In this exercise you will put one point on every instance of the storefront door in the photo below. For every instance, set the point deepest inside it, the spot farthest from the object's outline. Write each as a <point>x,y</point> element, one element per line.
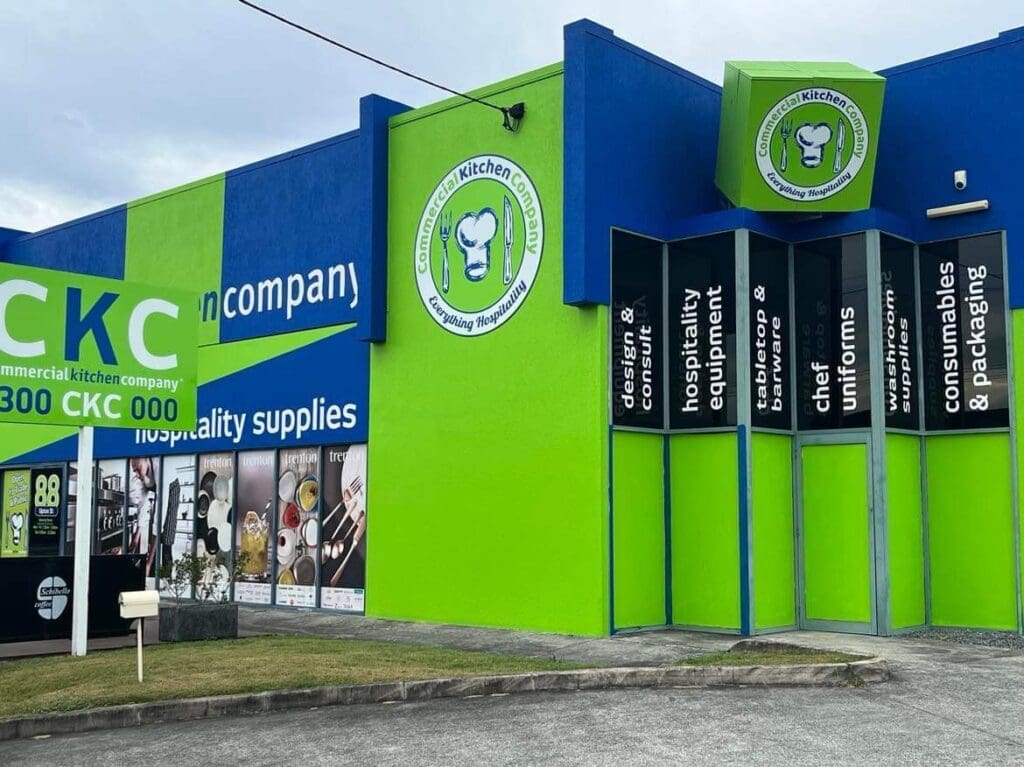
<point>836,540</point>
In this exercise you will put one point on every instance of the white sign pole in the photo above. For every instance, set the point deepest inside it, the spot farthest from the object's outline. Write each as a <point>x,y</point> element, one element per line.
<point>138,638</point>
<point>83,543</point>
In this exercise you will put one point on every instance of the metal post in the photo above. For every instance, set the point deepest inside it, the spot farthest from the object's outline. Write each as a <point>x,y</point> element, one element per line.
<point>138,635</point>
<point>744,436</point>
<point>83,544</point>
<point>879,493</point>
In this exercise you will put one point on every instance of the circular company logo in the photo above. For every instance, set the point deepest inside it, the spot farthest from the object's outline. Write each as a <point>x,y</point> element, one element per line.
<point>479,245</point>
<point>52,597</point>
<point>811,144</point>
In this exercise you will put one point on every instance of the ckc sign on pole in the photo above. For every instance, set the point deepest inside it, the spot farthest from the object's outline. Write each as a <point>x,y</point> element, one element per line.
<point>88,351</point>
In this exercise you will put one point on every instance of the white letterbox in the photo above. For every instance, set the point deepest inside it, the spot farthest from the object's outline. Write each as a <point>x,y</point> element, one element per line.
<point>139,604</point>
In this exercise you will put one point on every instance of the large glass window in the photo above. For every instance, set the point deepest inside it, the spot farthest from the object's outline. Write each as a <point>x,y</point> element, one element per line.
<point>899,334</point>
<point>833,390</point>
<point>702,332</point>
<point>770,392</point>
<point>963,313</point>
<point>637,383</point>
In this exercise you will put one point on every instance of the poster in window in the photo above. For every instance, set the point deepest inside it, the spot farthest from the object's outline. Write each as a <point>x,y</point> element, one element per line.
<point>44,519</point>
<point>298,527</point>
<point>255,529</point>
<point>177,498</point>
<point>963,312</point>
<point>109,513</point>
<point>637,340</point>
<point>143,511</point>
<point>899,334</point>
<point>702,332</point>
<point>72,510</point>
<point>17,490</point>
<point>830,278</point>
<point>214,522</point>
<point>343,573</point>
<point>770,392</point>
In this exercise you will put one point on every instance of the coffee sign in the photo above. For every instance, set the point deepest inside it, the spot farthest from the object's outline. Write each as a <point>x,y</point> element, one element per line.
<point>964,331</point>
<point>78,350</point>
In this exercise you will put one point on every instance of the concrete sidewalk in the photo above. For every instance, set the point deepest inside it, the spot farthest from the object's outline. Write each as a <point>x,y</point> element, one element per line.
<point>639,648</point>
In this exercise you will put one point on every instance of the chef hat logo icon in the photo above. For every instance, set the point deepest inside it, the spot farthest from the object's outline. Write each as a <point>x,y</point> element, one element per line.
<point>473,236</point>
<point>52,597</point>
<point>811,140</point>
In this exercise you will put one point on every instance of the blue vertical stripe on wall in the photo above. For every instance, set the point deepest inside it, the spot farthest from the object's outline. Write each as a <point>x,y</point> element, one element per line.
<point>91,245</point>
<point>640,137</point>
<point>374,113</point>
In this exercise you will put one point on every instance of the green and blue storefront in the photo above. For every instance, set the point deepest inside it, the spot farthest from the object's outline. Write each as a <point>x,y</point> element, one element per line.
<point>733,358</point>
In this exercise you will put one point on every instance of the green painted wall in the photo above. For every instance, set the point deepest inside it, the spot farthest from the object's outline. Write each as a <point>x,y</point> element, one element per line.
<point>836,533</point>
<point>970,531</point>
<point>488,455</point>
<point>705,530</point>
<point>176,238</point>
<point>771,480</point>
<point>638,529</point>
<point>906,540</point>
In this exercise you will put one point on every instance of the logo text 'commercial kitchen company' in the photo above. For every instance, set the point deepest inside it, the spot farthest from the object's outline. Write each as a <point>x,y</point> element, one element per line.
<point>485,203</point>
<point>283,294</point>
<point>811,144</point>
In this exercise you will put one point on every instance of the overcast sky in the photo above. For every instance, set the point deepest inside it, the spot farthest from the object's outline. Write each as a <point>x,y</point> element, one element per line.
<point>104,101</point>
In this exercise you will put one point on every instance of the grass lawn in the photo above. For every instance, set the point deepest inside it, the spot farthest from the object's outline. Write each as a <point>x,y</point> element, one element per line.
<point>195,669</point>
<point>783,656</point>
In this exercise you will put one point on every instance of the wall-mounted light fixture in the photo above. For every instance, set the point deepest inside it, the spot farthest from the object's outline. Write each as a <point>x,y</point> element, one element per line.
<point>955,210</point>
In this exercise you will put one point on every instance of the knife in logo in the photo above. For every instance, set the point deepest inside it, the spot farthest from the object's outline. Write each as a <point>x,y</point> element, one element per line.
<point>840,143</point>
<point>506,225</point>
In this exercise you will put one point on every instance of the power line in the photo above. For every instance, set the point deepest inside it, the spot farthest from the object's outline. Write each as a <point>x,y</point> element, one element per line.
<point>512,114</point>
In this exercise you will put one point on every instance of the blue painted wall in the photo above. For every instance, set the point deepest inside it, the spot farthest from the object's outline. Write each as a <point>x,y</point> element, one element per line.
<point>91,245</point>
<point>959,110</point>
<point>640,143</point>
<point>6,235</point>
<point>288,215</point>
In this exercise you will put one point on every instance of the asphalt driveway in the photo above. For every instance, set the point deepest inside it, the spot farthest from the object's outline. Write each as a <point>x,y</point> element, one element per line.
<point>949,704</point>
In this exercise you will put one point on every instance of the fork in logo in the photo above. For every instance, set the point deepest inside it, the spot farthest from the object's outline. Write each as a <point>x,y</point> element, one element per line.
<point>785,130</point>
<point>444,232</point>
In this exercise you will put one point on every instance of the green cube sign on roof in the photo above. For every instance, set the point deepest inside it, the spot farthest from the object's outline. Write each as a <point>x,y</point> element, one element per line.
<point>798,136</point>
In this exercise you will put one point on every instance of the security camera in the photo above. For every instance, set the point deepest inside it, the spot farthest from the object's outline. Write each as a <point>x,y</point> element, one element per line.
<point>960,180</point>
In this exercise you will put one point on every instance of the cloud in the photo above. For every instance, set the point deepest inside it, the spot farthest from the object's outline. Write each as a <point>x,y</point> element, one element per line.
<point>111,100</point>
